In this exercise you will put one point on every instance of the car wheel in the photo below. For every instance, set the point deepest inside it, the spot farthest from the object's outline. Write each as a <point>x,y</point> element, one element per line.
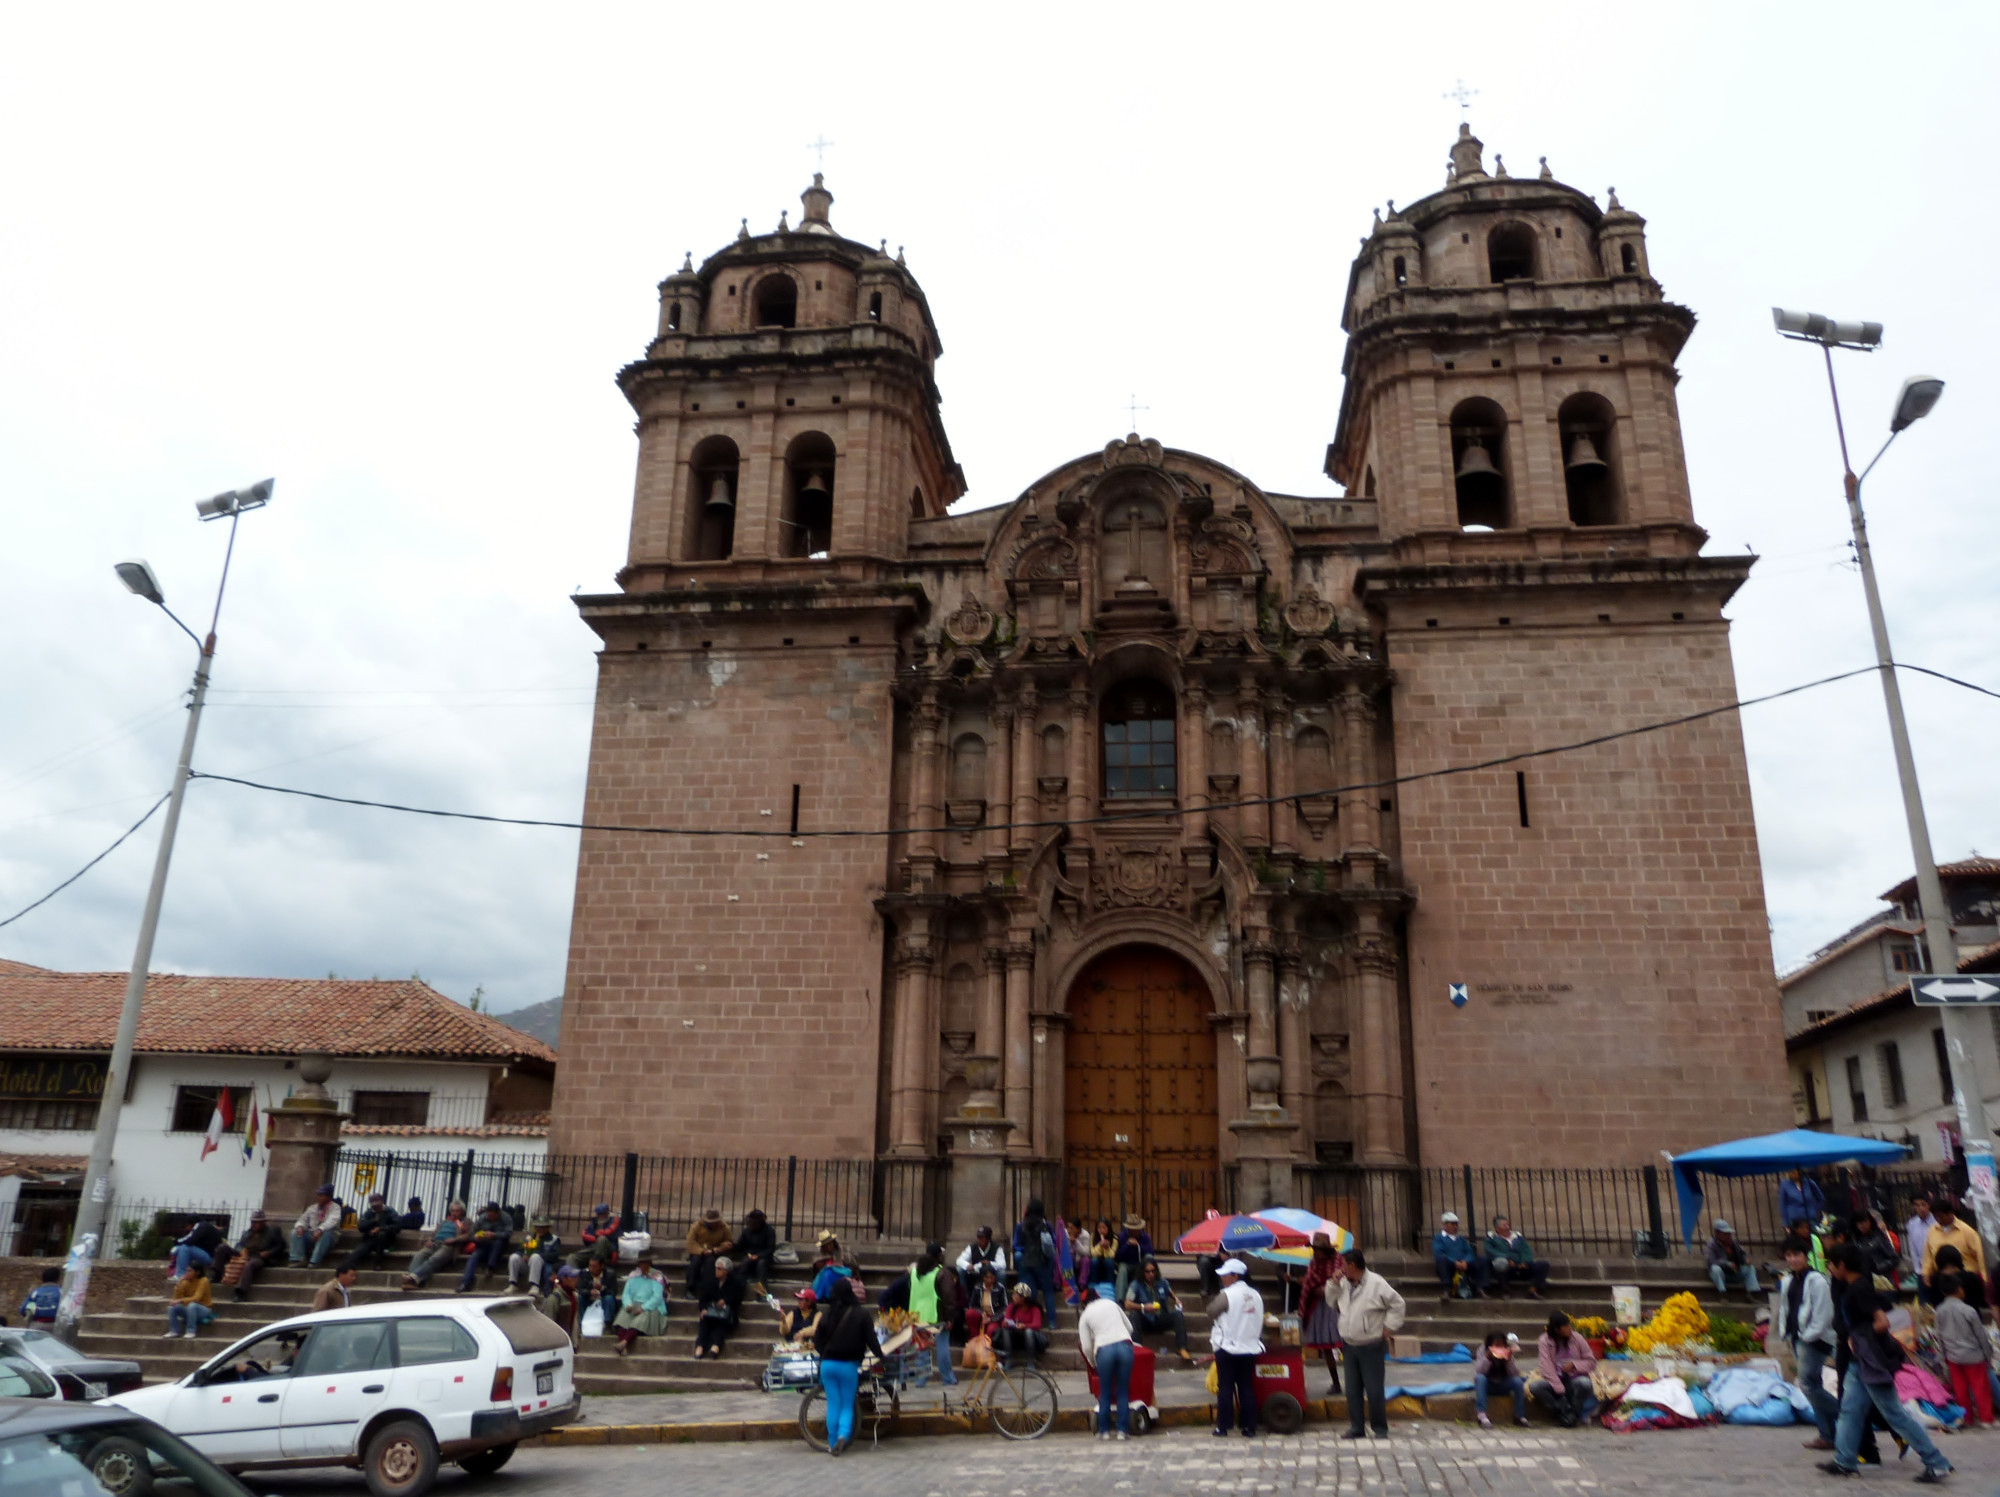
<point>487,1461</point>
<point>122,1467</point>
<point>401,1460</point>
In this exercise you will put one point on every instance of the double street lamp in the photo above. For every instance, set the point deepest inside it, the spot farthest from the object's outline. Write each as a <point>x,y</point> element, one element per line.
<point>1913,403</point>
<point>96,1203</point>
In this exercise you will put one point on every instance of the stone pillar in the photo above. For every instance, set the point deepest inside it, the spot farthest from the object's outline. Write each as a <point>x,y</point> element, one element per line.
<point>979,1137</point>
<point>1379,1067</point>
<point>1257,960</point>
<point>1000,780</point>
<point>990,1030</point>
<point>926,808</point>
<point>1253,822</point>
<point>1082,747</point>
<point>1278,733</point>
<point>1294,1040</point>
<point>1026,753</point>
<point>1019,1056</point>
<point>1194,763</point>
<point>913,961</point>
<point>1357,807</point>
<point>303,1137</point>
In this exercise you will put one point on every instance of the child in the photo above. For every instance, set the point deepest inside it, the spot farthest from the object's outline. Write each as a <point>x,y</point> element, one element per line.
<point>1963,1338</point>
<point>192,1306</point>
<point>42,1301</point>
<point>1493,1372</point>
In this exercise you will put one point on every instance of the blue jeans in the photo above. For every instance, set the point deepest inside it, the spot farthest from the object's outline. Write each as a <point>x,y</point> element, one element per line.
<point>184,1255</point>
<point>841,1381</point>
<point>1719,1276</point>
<point>1812,1358</point>
<point>189,1317</point>
<point>942,1351</point>
<point>1484,1385</point>
<point>1855,1399</point>
<point>1114,1372</point>
<point>315,1249</point>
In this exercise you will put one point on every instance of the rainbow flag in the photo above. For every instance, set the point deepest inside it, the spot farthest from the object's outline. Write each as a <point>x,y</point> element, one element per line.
<point>250,1130</point>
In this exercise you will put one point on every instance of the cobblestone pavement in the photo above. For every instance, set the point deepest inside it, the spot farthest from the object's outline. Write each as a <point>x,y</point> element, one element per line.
<point>1427,1458</point>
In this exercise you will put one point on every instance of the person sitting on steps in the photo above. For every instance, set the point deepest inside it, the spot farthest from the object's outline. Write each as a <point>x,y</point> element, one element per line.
<point>755,1248</point>
<point>448,1239</point>
<point>261,1246</point>
<point>1151,1302</point>
<point>193,1305</point>
<point>1453,1256</point>
<point>491,1234</point>
<point>1020,1331</point>
<point>599,1237</point>
<point>1493,1371</point>
<point>1509,1256</point>
<point>1566,1362</point>
<point>708,1239</point>
<point>799,1322</point>
<point>719,1300</point>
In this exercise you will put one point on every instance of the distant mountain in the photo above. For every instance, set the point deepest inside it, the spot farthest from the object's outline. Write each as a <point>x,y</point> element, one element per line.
<point>542,1020</point>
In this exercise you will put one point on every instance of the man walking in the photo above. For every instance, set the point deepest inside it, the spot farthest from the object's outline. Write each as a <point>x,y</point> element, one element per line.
<point>1916,1232</point>
<point>1236,1333</point>
<point>1871,1380</point>
<point>1370,1312</point>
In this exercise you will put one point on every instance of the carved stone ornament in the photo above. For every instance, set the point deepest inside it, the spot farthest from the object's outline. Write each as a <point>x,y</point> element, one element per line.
<point>1148,877</point>
<point>969,624</point>
<point>1225,546</point>
<point>1045,558</point>
<point>1132,450</point>
<point>1309,613</point>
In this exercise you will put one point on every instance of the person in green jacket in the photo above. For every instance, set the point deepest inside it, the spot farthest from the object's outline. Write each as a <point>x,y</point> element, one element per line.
<point>930,1292</point>
<point>1512,1257</point>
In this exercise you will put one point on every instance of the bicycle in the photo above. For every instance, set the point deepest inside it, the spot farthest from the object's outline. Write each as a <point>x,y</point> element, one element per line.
<point>1020,1403</point>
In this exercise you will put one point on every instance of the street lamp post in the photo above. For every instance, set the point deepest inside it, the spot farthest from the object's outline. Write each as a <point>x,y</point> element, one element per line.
<point>96,1203</point>
<point>1913,403</point>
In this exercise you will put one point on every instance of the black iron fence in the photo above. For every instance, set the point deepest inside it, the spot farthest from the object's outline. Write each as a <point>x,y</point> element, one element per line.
<point>523,1181</point>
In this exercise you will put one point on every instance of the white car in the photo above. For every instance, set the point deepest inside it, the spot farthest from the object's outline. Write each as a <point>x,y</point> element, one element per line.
<point>392,1388</point>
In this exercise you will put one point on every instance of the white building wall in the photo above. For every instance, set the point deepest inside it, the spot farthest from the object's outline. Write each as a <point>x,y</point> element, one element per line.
<point>155,1168</point>
<point>1925,1104</point>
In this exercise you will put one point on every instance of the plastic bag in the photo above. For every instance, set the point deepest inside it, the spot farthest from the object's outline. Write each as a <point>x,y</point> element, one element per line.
<point>979,1352</point>
<point>593,1320</point>
<point>1213,1382</point>
<point>632,1244</point>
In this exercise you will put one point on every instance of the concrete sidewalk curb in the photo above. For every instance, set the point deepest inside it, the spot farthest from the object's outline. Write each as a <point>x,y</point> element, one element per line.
<point>1068,1421</point>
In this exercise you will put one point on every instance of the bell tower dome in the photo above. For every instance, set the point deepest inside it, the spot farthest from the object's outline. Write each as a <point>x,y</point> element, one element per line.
<point>788,410</point>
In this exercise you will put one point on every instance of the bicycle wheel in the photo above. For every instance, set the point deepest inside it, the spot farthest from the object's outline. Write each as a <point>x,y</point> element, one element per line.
<point>1022,1405</point>
<point>812,1418</point>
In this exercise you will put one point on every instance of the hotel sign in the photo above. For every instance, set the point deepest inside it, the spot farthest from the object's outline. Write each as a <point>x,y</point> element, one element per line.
<point>52,1079</point>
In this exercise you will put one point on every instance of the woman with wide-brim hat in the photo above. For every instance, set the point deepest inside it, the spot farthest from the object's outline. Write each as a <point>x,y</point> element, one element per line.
<point>1322,1325</point>
<point>642,1309</point>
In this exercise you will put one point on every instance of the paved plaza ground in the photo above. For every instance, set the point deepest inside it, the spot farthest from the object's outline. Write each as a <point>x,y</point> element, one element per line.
<point>1419,1457</point>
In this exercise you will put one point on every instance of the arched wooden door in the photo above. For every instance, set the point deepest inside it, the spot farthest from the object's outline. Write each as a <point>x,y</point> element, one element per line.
<point>1139,1093</point>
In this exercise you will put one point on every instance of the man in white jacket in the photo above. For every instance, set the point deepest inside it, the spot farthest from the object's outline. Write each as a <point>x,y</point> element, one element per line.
<point>1805,1310</point>
<point>1236,1334</point>
<point>1370,1311</point>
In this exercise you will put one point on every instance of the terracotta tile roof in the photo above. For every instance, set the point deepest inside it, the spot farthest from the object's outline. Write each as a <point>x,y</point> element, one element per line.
<point>1987,959</point>
<point>255,1016</point>
<point>1906,891</point>
<point>42,1165</point>
<point>7,967</point>
<point>418,1130</point>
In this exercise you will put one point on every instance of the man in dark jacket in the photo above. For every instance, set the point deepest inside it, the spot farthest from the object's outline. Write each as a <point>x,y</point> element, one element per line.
<point>1871,1377</point>
<point>754,1248</point>
<point>263,1246</point>
<point>599,1237</point>
<point>379,1228</point>
<point>203,1243</point>
<point>1852,1295</point>
<point>491,1235</point>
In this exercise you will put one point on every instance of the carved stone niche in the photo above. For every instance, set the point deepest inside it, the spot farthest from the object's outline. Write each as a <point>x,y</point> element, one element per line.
<point>963,813</point>
<point>1317,812</point>
<point>1053,786</point>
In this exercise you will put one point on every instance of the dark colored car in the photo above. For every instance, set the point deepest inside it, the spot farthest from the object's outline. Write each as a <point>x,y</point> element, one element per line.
<point>82,1379</point>
<point>48,1446</point>
<point>23,1379</point>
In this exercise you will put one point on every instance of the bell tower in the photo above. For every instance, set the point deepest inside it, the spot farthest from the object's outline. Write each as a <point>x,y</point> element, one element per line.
<point>1509,408</point>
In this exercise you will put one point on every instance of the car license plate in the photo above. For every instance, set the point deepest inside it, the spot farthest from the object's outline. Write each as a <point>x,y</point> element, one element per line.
<point>545,1382</point>
<point>95,1390</point>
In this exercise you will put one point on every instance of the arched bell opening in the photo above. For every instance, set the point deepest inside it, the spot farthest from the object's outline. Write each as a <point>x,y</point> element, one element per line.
<point>711,509</point>
<point>806,520</point>
<point>777,301</point>
<point>1479,465</point>
<point>1589,432</point>
<point>1510,253</point>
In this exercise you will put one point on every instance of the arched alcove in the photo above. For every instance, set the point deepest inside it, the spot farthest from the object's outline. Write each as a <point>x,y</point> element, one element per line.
<point>1591,477</point>
<point>1479,463</point>
<point>776,300</point>
<point>805,522</point>
<point>711,500</point>
<point>1511,253</point>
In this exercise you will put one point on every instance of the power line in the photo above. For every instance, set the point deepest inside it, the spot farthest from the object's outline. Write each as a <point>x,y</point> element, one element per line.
<point>1149,815</point>
<point>87,866</point>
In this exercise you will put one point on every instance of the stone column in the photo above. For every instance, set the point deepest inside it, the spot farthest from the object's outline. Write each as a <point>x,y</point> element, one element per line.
<point>303,1137</point>
<point>1040,1079</point>
<point>913,961</point>
<point>1194,763</point>
<point>1294,1040</point>
<point>1000,777</point>
<point>1379,1066</point>
<point>1026,754</point>
<point>1018,1070</point>
<point>1257,960</point>
<point>979,1136</point>
<point>926,810</point>
<point>1278,733</point>
<point>1253,822</point>
<point>1357,807</point>
<point>1082,748</point>
<point>990,1030</point>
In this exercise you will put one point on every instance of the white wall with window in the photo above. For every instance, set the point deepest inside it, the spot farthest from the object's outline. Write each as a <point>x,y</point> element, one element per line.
<point>1883,1073</point>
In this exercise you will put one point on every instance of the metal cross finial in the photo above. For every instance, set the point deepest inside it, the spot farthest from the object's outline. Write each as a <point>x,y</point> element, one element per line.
<point>1132,409</point>
<point>818,147</point>
<point>1463,95</point>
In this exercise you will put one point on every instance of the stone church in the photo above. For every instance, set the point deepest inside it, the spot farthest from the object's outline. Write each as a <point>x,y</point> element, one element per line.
<point>1166,858</point>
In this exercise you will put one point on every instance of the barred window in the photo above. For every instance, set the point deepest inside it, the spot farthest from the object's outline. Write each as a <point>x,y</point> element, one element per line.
<point>392,1109</point>
<point>50,1116</point>
<point>195,1105</point>
<point>1139,742</point>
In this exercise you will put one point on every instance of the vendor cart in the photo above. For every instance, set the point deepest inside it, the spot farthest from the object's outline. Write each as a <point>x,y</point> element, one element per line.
<point>1281,1389</point>
<point>1144,1406</point>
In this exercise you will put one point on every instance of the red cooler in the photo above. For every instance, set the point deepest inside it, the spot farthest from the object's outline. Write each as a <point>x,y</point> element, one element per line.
<point>1140,1396</point>
<point>1281,1389</point>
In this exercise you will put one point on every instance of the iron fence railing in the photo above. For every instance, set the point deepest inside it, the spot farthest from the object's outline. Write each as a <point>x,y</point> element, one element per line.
<point>521,1182</point>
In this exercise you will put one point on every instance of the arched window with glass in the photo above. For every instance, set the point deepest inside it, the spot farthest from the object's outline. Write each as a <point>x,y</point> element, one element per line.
<point>1138,720</point>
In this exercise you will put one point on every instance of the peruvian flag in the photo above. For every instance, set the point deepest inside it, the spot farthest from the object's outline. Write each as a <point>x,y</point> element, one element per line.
<point>220,1123</point>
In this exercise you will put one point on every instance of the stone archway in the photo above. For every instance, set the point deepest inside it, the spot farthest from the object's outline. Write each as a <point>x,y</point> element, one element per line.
<point>1140,1107</point>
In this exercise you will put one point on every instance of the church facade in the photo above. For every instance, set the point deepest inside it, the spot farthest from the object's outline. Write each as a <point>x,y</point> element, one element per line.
<point>1168,858</point>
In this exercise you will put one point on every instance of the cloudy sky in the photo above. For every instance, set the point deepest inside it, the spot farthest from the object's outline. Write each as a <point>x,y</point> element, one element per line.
<point>394,256</point>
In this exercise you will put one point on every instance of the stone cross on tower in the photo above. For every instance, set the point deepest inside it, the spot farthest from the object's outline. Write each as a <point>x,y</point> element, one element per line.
<point>818,146</point>
<point>1463,95</point>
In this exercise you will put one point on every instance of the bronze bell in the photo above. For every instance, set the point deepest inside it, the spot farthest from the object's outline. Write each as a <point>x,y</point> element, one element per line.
<point>1583,458</point>
<point>814,487</point>
<point>1477,463</point>
<point>719,501</point>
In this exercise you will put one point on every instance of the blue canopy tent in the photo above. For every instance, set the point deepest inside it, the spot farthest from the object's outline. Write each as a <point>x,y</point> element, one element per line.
<point>1771,1154</point>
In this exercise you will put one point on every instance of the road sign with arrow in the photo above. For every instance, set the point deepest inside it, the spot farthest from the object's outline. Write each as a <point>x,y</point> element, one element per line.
<point>1943,992</point>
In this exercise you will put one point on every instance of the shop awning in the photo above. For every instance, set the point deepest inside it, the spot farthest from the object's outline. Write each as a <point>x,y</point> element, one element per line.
<point>1769,1154</point>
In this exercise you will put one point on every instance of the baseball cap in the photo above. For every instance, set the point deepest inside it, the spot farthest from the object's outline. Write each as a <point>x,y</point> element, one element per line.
<point>1233,1265</point>
<point>1723,1226</point>
<point>1449,1216</point>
